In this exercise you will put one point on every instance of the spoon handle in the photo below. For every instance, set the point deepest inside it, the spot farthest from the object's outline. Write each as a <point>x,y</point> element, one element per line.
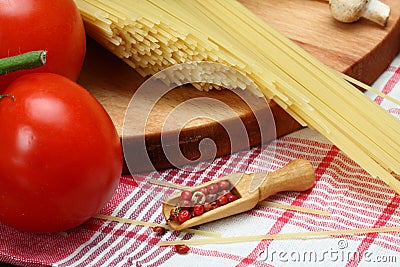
<point>297,175</point>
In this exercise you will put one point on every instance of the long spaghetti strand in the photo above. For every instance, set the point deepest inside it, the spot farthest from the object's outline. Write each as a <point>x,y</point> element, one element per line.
<point>151,35</point>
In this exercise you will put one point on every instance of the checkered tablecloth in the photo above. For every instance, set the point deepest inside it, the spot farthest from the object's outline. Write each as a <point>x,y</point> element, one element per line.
<point>352,197</point>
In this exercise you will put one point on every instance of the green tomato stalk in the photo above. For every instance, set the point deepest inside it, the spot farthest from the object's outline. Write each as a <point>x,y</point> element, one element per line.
<point>27,60</point>
<point>24,61</point>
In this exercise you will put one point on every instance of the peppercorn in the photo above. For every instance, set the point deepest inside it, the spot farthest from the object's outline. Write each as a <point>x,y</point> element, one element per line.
<point>212,188</point>
<point>198,210</point>
<point>184,215</point>
<point>222,200</point>
<point>159,230</point>
<point>182,249</point>
<point>186,195</point>
<point>224,185</point>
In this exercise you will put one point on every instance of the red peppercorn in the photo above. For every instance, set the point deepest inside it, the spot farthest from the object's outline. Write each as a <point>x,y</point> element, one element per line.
<point>182,249</point>
<point>186,195</point>
<point>198,210</point>
<point>214,205</point>
<point>223,192</point>
<point>159,230</point>
<point>173,214</point>
<point>207,207</point>
<point>184,215</point>
<point>224,185</point>
<point>185,204</point>
<point>231,197</point>
<point>198,197</point>
<point>213,188</point>
<point>203,190</point>
<point>211,197</point>
<point>222,200</point>
<point>173,218</point>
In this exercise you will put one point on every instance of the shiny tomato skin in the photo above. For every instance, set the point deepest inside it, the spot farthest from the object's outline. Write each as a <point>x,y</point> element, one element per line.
<point>61,157</point>
<point>52,25</point>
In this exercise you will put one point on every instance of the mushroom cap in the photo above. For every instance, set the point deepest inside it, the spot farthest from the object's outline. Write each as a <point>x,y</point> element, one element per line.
<point>347,10</point>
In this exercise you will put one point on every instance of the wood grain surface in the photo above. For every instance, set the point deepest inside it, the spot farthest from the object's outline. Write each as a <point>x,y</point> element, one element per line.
<point>362,50</point>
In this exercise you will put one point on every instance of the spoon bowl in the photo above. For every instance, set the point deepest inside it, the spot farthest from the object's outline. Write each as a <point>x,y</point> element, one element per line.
<point>297,175</point>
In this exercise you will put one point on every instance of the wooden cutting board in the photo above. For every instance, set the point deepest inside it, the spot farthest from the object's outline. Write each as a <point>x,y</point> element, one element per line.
<point>362,50</point>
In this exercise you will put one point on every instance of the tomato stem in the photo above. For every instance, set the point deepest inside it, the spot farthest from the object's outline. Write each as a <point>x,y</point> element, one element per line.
<point>27,60</point>
<point>8,95</point>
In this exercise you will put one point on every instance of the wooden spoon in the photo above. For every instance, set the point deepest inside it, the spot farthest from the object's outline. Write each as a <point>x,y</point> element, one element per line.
<point>297,175</point>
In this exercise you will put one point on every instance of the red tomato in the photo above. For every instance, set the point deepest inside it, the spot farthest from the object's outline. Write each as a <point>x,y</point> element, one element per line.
<point>52,25</point>
<point>61,157</point>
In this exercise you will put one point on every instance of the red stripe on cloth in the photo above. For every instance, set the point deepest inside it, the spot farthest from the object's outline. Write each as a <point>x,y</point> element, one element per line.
<point>126,186</point>
<point>326,162</point>
<point>129,180</point>
<point>181,177</point>
<point>369,238</point>
<point>287,215</point>
<point>389,85</point>
<point>29,249</point>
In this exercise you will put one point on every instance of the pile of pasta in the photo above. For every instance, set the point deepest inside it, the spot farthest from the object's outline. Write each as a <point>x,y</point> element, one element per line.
<point>152,35</point>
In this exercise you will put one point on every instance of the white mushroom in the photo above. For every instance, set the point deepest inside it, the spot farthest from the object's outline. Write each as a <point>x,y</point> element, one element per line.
<point>352,10</point>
